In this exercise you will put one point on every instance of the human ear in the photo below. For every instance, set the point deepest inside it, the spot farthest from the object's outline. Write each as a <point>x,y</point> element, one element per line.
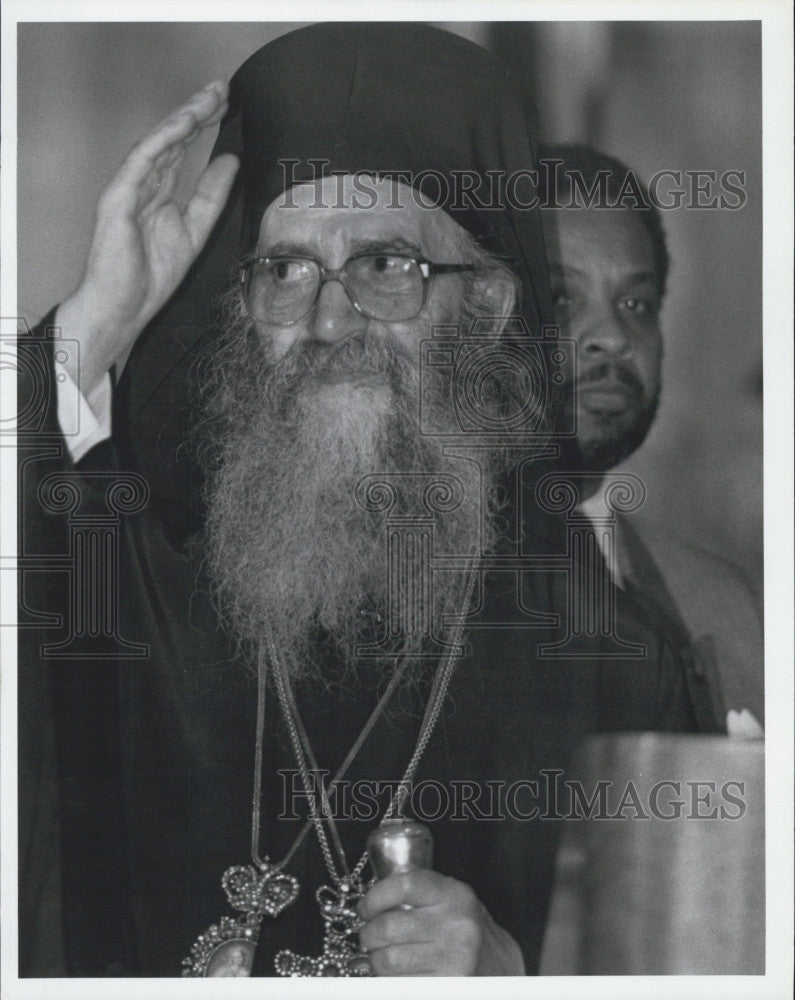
<point>496,293</point>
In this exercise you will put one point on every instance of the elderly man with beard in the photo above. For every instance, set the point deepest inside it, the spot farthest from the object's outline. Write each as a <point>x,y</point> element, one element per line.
<point>609,264</point>
<point>329,399</point>
<point>277,427</point>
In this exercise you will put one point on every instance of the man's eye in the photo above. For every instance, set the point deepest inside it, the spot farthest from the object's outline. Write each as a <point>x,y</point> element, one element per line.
<point>561,300</point>
<point>288,271</point>
<point>639,306</point>
<point>388,272</point>
<point>386,265</point>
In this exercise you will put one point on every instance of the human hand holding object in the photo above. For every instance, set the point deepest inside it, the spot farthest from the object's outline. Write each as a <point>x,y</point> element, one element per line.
<point>144,241</point>
<point>420,923</point>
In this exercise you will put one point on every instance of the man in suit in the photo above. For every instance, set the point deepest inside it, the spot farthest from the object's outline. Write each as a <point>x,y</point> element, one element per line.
<point>609,263</point>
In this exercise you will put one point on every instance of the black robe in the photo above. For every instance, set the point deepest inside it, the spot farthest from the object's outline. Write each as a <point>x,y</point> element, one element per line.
<point>155,752</point>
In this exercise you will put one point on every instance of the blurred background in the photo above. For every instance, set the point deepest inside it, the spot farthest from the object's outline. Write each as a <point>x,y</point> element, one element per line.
<point>658,95</point>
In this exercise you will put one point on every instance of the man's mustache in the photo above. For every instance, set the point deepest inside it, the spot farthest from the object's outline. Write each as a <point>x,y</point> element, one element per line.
<point>361,353</point>
<point>605,375</point>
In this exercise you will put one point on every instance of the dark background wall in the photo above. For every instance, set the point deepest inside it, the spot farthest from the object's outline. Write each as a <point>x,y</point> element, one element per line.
<point>679,96</point>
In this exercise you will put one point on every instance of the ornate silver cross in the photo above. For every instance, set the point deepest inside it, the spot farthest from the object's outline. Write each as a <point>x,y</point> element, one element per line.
<point>342,954</point>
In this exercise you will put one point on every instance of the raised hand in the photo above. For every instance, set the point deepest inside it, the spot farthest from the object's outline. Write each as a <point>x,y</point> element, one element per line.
<point>421,923</point>
<point>144,242</point>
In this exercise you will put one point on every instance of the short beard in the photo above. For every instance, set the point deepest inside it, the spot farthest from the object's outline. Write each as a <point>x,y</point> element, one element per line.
<point>295,559</point>
<point>614,439</point>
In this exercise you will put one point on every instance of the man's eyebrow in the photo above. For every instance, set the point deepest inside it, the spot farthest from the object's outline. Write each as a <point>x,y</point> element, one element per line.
<point>641,276</point>
<point>564,270</point>
<point>285,249</point>
<point>384,244</point>
<point>560,270</point>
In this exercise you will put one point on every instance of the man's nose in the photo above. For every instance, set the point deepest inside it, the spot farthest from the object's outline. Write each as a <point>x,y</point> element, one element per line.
<point>335,317</point>
<point>604,333</point>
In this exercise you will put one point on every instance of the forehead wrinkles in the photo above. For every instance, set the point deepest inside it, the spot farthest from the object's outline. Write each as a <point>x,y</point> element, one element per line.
<point>330,216</point>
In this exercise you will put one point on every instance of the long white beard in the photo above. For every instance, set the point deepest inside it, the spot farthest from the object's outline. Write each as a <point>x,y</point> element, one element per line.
<point>293,554</point>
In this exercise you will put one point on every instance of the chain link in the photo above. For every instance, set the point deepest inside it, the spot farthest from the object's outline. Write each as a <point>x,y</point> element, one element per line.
<point>305,758</point>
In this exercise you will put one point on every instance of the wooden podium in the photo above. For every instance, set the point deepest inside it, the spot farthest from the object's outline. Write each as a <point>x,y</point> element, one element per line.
<point>661,865</point>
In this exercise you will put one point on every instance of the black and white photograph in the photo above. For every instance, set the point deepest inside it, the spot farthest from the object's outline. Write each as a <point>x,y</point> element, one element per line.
<point>398,577</point>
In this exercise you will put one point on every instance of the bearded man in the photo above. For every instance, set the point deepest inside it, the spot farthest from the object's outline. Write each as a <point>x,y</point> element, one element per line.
<point>609,265</point>
<point>311,471</point>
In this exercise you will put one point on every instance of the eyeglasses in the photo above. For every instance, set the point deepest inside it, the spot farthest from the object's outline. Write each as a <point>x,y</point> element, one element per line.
<point>382,286</point>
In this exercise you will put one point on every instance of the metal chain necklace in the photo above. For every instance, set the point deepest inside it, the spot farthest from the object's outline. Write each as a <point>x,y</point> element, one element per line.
<point>261,888</point>
<point>227,948</point>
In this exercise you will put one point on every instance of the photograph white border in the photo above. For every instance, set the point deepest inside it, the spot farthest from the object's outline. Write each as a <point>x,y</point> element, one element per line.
<point>776,18</point>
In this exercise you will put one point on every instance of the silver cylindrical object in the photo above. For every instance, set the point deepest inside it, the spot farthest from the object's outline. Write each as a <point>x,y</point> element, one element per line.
<point>399,845</point>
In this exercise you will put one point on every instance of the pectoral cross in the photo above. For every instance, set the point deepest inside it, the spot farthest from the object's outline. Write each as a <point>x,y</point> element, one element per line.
<point>342,954</point>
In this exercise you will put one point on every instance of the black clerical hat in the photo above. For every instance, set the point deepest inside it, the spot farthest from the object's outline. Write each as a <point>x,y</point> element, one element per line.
<point>403,99</point>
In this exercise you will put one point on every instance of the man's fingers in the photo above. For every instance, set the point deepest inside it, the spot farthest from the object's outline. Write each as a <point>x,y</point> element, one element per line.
<point>421,887</point>
<point>403,960</point>
<point>215,116</point>
<point>204,108</point>
<point>394,927</point>
<point>169,157</point>
<point>158,190</point>
<point>210,196</point>
<point>201,111</point>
